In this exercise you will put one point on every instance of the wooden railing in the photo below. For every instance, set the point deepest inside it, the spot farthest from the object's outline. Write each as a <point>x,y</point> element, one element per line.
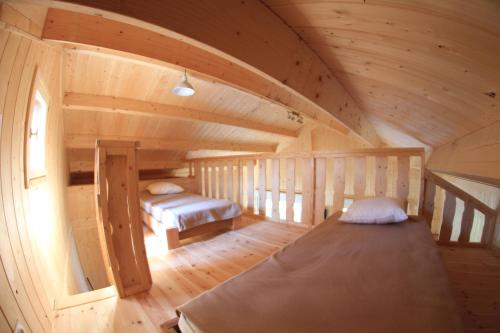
<point>310,186</point>
<point>460,232</point>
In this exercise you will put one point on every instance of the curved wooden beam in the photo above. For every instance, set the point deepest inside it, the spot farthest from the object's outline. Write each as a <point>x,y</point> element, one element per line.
<point>241,43</point>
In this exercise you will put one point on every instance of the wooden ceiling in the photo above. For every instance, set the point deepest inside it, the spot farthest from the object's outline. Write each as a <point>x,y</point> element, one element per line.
<point>95,73</point>
<point>430,69</point>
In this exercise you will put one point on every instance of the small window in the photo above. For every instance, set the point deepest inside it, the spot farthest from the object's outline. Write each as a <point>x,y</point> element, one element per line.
<point>35,143</point>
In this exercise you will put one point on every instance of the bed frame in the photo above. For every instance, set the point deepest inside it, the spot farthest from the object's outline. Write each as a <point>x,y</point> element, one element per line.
<point>173,236</point>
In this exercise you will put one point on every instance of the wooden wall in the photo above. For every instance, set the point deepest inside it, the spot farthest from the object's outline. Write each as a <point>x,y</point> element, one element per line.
<point>34,235</point>
<point>82,216</point>
<point>475,156</point>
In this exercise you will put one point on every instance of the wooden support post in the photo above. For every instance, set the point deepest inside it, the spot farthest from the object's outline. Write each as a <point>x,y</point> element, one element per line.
<point>119,218</point>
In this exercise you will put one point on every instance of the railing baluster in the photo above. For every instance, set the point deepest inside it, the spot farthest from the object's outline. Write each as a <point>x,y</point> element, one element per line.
<point>307,191</point>
<point>262,187</point>
<point>380,175</point>
<point>403,179</point>
<point>276,188</point>
<point>338,183</point>
<point>430,194</point>
<point>450,203</point>
<point>250,185</point>
<point>319,192</point>
<point>229,182</point>
<point>290,188</point>
<point>466,223</point>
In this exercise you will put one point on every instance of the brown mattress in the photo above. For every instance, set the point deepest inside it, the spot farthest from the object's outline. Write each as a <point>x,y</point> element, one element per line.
<point>336,278</point>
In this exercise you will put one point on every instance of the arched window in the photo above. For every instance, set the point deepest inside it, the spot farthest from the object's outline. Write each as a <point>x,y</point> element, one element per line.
<point>35,134</point>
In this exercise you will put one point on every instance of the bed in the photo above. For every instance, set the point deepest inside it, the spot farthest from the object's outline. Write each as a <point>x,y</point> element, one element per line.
<point>182,215</point>
<point>338,277</point>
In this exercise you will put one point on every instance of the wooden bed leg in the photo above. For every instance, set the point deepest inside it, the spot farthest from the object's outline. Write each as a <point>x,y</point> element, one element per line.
<point>236,223</point>
<point>172,238</point>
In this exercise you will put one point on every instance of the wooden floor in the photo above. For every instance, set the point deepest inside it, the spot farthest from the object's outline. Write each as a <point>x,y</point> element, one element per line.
<point>475,278</point>
<point>204,262</point>
<point>179,275</point>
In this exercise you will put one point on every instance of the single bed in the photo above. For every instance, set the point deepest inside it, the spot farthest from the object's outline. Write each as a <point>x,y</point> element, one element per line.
<point>338,277</point>
<point>183,215</point>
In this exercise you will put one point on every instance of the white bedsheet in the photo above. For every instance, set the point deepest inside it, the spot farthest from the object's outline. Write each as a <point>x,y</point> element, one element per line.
<point>186,210</point>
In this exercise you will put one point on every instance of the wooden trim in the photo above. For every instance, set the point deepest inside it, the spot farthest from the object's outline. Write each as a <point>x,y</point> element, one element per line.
<point>84,298</point>
<point>88,141</point>
<point>75,101</point>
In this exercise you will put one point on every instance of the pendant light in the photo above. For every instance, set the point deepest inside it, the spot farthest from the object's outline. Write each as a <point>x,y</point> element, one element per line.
<point>184,88</point>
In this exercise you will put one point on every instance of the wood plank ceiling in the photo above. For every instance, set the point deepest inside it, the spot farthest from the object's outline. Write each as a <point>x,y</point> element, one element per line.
<point>97,73</point>
<point>430,69</point>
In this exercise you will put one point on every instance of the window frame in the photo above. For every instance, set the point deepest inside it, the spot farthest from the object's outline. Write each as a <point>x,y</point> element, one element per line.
<point>37,85</point>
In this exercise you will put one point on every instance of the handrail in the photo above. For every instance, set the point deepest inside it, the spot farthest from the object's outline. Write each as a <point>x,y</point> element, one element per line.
<point>471,204</point>
<point>319,153</point>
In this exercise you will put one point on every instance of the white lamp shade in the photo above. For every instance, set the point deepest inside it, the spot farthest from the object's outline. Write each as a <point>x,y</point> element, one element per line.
<point>184,88</point>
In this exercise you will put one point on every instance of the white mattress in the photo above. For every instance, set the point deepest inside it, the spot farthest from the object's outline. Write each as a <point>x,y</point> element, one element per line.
<point>186,210</point>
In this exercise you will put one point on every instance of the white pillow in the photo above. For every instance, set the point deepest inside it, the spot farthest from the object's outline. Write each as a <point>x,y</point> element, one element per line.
<point>163,188</point>
<point>374,210</point>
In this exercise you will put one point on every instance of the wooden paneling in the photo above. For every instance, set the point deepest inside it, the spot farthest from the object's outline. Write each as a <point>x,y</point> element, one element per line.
<point>82,215</point>
<point>284,81</point>
<point>475,156</point>
<point>412,66</point>
<point>82,160</point>
<point>35,234</point>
